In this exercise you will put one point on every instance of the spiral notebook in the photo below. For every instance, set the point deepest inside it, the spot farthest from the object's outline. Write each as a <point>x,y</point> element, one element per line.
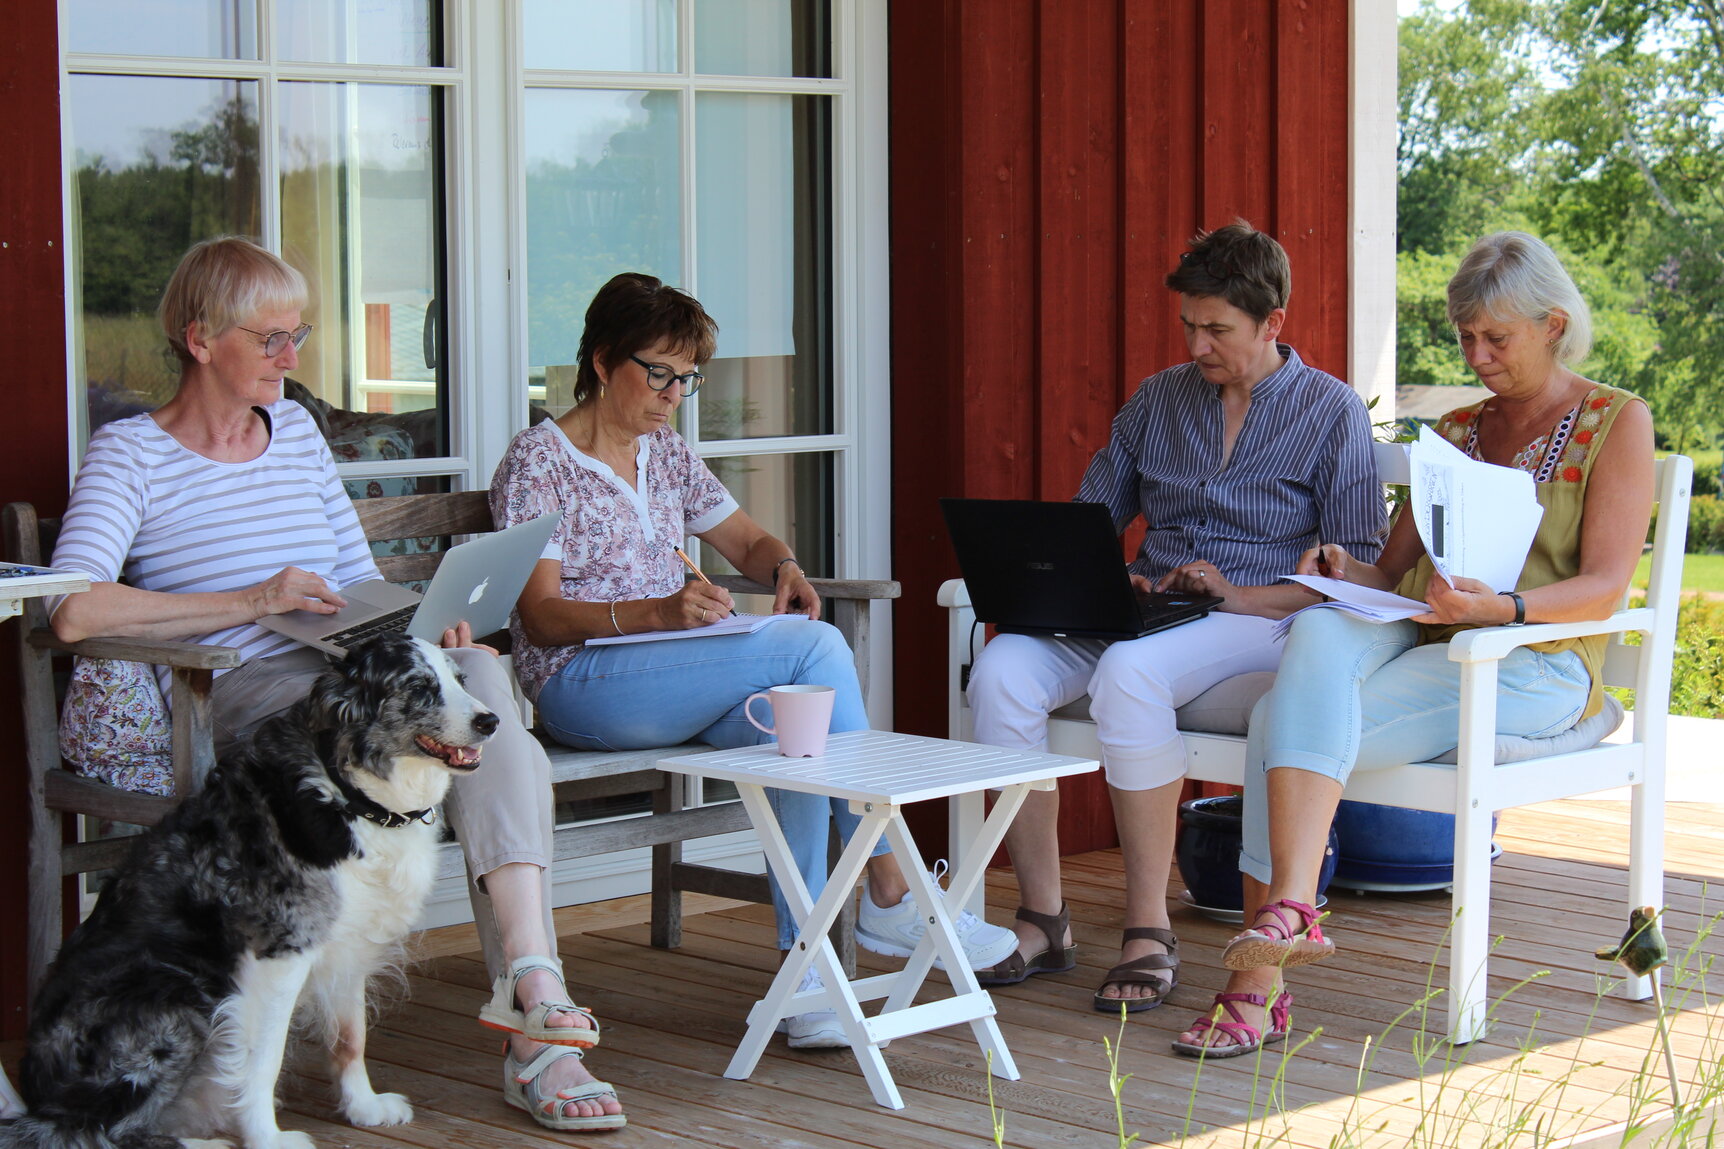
<point>735,624</point>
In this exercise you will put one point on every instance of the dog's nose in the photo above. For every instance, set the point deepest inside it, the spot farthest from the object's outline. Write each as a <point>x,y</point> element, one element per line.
<point>485,723</point>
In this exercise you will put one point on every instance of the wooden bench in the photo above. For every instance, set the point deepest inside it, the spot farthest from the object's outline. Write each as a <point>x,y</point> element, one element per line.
<point>56,856</point>
<point>1472,784</point>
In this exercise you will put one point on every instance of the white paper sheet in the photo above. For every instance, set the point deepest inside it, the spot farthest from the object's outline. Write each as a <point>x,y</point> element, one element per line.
<point>1364,601</point>
<point>1477,520</point>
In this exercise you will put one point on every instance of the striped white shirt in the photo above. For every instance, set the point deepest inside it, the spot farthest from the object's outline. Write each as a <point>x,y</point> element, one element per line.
<point>167,519</point>
<point>1301,473</point>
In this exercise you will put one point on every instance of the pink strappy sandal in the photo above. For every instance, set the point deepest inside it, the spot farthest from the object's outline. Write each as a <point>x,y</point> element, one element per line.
<point>1284,941</point>
<point>1242,1036</point>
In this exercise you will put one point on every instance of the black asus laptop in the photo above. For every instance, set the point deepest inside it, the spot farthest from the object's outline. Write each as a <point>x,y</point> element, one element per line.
<point>1055,569</point>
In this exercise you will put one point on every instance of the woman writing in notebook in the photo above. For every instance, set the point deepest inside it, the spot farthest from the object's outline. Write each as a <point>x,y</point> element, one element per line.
<point>1357,695</point>
<point>630,490</point>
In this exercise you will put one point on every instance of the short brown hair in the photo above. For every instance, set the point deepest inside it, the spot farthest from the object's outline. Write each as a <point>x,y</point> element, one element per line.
<point>1237,263</point>
<point>635,311</point>
<point>222,281</point>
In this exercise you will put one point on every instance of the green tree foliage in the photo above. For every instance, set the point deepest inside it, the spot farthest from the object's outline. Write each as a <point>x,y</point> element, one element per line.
<point>1599,125</point>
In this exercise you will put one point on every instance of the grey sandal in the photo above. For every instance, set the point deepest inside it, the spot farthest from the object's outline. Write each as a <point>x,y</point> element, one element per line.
<point>1056,958</point>
<point>1142,971</point>
<point>521,1089</point>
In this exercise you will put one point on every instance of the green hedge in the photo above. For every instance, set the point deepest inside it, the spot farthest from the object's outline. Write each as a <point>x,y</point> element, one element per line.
<point>1697,674</point>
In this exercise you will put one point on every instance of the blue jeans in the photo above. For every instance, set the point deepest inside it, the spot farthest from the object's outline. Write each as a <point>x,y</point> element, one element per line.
<point>636,695</point>
<point>1356,695</point>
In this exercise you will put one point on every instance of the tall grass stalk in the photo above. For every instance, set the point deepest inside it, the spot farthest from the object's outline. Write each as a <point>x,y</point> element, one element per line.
<point>1459,1111</point>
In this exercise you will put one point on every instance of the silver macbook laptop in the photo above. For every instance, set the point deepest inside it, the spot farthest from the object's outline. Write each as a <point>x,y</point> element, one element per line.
<point>477,581</point>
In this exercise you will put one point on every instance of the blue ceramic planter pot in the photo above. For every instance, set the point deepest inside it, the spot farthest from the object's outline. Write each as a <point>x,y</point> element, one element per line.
<point>1208,852</point>
<point>1387,847</point>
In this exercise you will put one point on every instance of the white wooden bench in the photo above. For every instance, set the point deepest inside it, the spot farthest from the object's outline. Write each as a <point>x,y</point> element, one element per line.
<point>1475,784</point>
<point>56,854</point>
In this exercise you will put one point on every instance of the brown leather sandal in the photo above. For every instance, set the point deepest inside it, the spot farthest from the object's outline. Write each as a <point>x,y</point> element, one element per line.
<point>1057,958</point>
<point>1142,971</point>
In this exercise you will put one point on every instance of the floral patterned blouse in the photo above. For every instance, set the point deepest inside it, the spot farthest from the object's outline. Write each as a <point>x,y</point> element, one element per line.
<point>614,542</point>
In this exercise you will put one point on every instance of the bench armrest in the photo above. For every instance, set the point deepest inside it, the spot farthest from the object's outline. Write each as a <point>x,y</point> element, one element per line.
<point>1492,643</point>
<point>829,588</point>
<point>156,651</point>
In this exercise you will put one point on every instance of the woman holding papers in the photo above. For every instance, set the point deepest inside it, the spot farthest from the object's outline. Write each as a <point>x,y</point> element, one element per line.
<point>1356,695</point>
<point>1238,461</point>
<point>223,506</point>
<point>629,490</point>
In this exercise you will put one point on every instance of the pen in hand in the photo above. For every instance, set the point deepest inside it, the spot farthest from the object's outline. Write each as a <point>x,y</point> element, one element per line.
<point>1323,563</point>
<point>698,573</point>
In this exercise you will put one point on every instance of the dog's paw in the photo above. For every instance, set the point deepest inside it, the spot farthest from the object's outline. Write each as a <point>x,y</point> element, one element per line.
<point>380,1109</point>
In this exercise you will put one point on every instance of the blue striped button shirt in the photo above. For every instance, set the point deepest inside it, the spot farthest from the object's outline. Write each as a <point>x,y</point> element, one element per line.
<point>1301,472</point>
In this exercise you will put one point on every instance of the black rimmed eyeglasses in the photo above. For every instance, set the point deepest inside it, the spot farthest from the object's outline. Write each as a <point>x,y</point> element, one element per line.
<point>275,342</point>
<point>658,377</point>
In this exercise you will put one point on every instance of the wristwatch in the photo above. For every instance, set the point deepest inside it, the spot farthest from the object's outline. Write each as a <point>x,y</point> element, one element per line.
<point>1519,608</point>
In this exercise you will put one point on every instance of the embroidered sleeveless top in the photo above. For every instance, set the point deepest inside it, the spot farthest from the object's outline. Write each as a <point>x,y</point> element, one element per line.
<point>1560,463</point>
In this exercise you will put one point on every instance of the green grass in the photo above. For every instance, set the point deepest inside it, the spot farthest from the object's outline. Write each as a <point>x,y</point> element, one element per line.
<point>1699,572</point>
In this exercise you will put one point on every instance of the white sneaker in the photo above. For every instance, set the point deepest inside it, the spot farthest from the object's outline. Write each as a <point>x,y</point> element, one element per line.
<point>896,930</point>
<point>817,1029</point>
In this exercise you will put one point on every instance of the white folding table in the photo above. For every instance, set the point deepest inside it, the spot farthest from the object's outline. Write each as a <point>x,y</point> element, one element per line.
<point>18,583</point>
<point>879,773</point>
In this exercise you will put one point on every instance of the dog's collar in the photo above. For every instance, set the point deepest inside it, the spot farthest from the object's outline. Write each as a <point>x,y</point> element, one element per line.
<point>373,811</point>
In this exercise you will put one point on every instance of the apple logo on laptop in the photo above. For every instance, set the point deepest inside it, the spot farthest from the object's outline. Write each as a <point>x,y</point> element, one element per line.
<point>478,591</point>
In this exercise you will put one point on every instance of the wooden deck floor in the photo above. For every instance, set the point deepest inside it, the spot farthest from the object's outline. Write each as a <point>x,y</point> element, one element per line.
<point>1560,1058</point>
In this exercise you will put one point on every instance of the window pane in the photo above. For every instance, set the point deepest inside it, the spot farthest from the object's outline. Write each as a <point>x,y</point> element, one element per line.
<point>362,216</point>
<point>408,32</point>
<point>763,37</point>
<point>789,495</point>
<point>158,164</point>
<point>603,196</point>
<point>601,35</point>
<point>764,211</point>
<point>216,29</point>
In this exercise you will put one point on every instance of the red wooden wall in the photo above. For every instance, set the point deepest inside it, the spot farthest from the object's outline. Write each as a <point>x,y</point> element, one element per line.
<point>33,456</point>
<point>1049,160</point>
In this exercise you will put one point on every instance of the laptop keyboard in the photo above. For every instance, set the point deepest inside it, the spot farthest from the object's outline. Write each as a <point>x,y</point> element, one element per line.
<point>395,622</point>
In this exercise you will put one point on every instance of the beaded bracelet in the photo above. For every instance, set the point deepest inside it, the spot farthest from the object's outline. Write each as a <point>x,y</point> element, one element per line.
<point>614,625</point>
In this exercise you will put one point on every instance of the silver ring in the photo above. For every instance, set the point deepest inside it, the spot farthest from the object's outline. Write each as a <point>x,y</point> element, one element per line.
<point>1199,574</point>
<point>704,614</point>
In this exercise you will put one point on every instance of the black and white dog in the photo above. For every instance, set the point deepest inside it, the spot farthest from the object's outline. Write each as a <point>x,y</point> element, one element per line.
<point>290,878</point>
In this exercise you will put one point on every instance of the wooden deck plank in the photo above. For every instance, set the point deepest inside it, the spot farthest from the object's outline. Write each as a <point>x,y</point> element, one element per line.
<point>1559,1055</point>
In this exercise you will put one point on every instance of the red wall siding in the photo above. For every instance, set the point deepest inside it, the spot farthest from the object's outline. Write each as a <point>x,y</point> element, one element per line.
<point>1049,160</point>
<point>33,463</point>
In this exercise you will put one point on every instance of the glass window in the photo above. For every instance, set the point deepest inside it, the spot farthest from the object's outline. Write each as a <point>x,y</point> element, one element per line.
<point>158,163</point>
<point>763,195</point>
<point>604,195</point>
<point>762,38</point>
<point>601,35</point>
<point>362,217</point>
<point>364,32</point>
<point>214,29</point>
<point>789,495</point>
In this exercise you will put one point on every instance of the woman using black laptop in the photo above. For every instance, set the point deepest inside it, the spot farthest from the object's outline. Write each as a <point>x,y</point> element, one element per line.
<point>1238,461</point>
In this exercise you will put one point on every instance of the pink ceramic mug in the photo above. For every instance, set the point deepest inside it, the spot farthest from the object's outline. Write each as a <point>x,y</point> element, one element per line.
<point>801,715</point>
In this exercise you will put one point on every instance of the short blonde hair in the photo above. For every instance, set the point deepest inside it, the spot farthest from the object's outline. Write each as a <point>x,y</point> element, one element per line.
<point>221,282</point>
<point>1510,276</point>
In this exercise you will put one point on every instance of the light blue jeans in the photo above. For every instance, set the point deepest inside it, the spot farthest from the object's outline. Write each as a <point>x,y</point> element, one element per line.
<point>1356,695</point>
<point>636,695</point>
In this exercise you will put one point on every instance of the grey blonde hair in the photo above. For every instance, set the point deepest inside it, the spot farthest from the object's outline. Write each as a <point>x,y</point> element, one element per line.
<point>220,283</point>
<point>1512,276</point>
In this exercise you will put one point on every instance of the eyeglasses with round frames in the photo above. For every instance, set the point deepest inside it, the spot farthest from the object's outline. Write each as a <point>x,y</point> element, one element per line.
<point>658,377</point>
<point>275,342</point>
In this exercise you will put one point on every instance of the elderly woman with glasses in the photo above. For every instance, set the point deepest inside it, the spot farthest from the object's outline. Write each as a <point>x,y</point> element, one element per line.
<point>1237,461</point>
<point>223,506</point>
<point>629,490</point>
<point>1357,695</point>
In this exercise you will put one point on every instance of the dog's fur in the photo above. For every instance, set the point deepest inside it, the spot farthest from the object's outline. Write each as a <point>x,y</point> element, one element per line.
<point>167,1012</point>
